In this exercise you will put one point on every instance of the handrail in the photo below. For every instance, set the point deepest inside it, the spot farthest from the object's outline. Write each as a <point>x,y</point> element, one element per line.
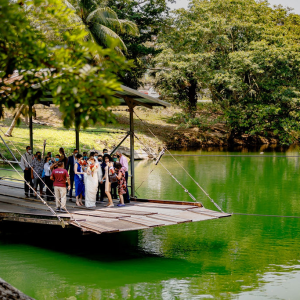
<point>11,161</point>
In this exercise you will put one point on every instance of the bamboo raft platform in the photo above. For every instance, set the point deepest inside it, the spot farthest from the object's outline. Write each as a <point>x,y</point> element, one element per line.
<point>139,214</point>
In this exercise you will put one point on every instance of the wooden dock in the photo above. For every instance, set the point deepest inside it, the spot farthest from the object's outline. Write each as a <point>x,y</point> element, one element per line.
<point>139,214</point>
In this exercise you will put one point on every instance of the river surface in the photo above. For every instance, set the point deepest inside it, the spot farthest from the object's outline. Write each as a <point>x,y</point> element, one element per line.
<point>241,257</point>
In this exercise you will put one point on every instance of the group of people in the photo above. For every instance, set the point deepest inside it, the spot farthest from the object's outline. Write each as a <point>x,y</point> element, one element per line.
<point>95,176</point>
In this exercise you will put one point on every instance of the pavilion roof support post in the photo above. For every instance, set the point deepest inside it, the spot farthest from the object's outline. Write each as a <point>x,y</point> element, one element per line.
<point>77,138</point>
<point>132,152</point>
<point>30,127</point>
<point>116,148</point>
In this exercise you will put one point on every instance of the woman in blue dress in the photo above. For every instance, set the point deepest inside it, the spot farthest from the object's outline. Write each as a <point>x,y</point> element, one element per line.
<point>79,180</point>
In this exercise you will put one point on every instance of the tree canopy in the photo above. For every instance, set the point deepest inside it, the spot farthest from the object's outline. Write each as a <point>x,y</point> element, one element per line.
<point>151,16</point>
<point>102,23</point>
<point>40,40</point>
<point>246,54</point>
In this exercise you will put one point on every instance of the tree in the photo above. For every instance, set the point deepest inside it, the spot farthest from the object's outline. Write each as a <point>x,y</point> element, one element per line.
<point>102,23</point>
<point>151,17</point>
<point>14,121</point>
<point>246,53</point>
<point>83,92</point>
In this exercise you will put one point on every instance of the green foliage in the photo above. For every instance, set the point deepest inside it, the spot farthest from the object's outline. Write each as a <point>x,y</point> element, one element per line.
<point>151,17</point>
<point>102,23</point>
<point>246,54</point>
<point>207,115</point>
<point>48,49</point>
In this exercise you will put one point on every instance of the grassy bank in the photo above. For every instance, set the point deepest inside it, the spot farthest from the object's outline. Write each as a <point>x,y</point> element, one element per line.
<point>170,126</point>
<point>109,136</point>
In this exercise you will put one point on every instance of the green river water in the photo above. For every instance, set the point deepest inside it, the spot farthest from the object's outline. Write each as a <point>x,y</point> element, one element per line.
<point>241,257</point>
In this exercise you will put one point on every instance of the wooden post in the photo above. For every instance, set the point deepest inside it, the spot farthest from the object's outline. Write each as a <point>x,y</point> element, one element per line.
<point>30,127</point>
<point>116,148</point>
<point>77,139</point>
<point>132,152</point>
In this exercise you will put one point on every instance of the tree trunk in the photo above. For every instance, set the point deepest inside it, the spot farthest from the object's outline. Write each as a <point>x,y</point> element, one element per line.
<point>192,94</point>
<point>13,123</point>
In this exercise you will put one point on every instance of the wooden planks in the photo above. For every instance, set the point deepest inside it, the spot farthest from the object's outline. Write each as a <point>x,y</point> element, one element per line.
<point>208,212</point>
<point>99,228</point>
<point>176,220</point>
<point>198,204</point>
<point>131,211</point>
<point>146,221</point>
<point>162,205</point>
<point>98,213</point>
<point>135,216</point>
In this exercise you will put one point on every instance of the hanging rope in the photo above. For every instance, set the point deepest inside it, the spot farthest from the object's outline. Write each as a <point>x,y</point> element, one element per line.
<point>205,193</point>
<point>71,215</point>
<point>43,201</point>
<point>155,164</point>
<point>185,189</point>
<point>257,215</point>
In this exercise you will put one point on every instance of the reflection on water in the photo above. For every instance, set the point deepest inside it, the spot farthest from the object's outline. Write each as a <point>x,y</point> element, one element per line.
<point>241,257</point>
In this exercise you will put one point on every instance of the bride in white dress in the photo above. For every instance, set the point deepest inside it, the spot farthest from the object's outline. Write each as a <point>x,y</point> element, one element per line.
<point>91,183</point>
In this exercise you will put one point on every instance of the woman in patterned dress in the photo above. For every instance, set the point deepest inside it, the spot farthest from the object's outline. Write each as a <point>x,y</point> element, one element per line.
<point>121,183</point>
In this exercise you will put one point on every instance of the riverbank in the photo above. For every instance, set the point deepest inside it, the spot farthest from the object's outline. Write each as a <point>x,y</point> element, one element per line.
<point>7,291</point>
<point>171,127</point>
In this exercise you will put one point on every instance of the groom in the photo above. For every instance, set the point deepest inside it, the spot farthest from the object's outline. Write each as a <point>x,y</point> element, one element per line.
<point>70,165</point>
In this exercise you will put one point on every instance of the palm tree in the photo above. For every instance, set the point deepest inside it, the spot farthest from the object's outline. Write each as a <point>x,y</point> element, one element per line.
<point>102,23</point>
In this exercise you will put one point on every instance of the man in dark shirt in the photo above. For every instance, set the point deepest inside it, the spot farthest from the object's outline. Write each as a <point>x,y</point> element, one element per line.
<point>70,169</point>
<point>101,186</point>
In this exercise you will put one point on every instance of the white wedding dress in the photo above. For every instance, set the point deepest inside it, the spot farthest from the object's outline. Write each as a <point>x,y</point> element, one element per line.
<point>91,188</point>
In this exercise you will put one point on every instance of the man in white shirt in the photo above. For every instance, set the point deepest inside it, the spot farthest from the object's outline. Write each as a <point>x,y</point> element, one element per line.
<point>123,161</point>
<point>26,163</point>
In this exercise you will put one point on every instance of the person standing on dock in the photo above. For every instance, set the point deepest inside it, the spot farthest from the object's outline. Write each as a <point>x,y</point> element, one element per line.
<point>121,183</point>
<point>48,181</point>
<point>108,170</point>
<point>60,176</point>
<point>70,168</point>
<point>91,186</point>
<point>85,157</point>
<point>101,186</point>
<point>98,161</point>
<point>26,162</point>
<point>36,173</point>
<point>79,180</point>
<point>49,154</point>
<point>123,161</point>
<point>63,157</point>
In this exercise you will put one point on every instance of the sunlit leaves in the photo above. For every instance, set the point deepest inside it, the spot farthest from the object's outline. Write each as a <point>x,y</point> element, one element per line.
<point>246,54</point>
<point>52,58</point>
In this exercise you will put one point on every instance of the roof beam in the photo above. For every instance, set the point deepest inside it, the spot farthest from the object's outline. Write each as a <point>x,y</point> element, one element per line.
<point>132,102</point>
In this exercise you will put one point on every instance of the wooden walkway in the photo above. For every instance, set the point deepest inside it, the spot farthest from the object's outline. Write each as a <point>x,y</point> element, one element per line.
<point>140,214</point>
